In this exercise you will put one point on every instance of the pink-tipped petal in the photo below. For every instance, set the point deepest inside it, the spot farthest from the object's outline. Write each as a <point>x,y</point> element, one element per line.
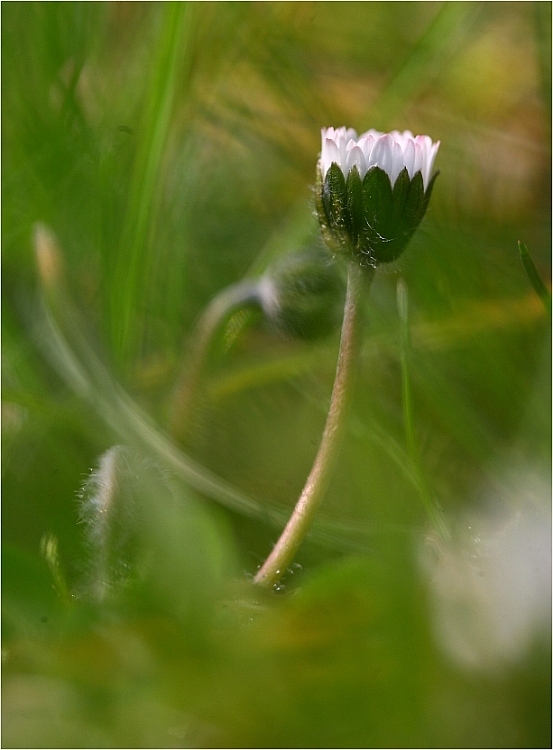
<point>397,162</point>
<point>356,157</point>
<point>390,151</point>
<point>366,143</point>
<point>329,154</point>
<point>382,154</point>
<point>409,156</point>
<point>418,161</point>
<point>433,152</point>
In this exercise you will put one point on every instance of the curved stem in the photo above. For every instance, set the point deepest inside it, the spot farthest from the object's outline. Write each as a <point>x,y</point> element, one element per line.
<point>319,478</point>
<point>214,316</point>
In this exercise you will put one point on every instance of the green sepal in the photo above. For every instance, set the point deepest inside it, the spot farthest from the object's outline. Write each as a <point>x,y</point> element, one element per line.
<point>333,240</point>
<point>377,200</point>
<point>334,201</point>
<point>377,215</point>
<point>368,218</point>
<point>319,206</point>
<point>335,198</point>
<point>399,196</point>
<point>414,204</point>
<point>354,188</point>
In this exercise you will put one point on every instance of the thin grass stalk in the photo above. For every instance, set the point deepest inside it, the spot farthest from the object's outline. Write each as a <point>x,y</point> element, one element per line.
<point>425,494</point>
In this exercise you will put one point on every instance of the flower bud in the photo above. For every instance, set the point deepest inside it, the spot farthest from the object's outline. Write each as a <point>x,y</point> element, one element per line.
<point>373,190</point>
<point>302,295</point>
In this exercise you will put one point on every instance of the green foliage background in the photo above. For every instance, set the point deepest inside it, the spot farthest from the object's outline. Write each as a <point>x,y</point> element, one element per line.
<point>171,148</point>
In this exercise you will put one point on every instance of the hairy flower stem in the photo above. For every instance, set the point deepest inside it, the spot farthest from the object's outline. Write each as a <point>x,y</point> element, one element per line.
<point>318,480</point>
<point>218,312</point>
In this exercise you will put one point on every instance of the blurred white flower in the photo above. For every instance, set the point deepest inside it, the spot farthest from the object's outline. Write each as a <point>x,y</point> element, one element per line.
<point>389,151</point>
<point>491,588</point>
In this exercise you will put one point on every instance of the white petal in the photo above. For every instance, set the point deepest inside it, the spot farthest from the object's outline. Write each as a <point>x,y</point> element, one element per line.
<point>374,134</point>
<point>409,156</point>
<point>382,154</point>
<point>430,163</point>
<point>397,162</point>
<point>339,133</point>
<point>390,151</point>
<point>425,141</point>
<point>366,143</point>
<point>396,136</point>
<point>352,143</point>
<point>327,133</point>
<point>418,161</point>
<point>350,134</point>
<point>342,147</point>
<point>356,157</point>
<point>329,154</point>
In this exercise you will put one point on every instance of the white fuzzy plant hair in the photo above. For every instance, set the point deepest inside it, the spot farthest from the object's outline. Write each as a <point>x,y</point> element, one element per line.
<point>107,510</point>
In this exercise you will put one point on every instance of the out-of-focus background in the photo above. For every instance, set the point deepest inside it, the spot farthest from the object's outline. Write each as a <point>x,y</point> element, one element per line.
<point>155,154</point>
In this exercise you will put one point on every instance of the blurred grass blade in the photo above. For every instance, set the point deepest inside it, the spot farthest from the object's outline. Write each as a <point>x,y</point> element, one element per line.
<point>535,279</point>
<point>49,551</point>
<point>133,261</point>
<point>425,494</point>
<point>427,58</point>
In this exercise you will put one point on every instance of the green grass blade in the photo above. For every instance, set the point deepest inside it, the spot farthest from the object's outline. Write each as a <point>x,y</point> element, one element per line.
<point>135,250</point>
<point>425,493</point>
<point>535,279</point>
<point>427,58</point>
